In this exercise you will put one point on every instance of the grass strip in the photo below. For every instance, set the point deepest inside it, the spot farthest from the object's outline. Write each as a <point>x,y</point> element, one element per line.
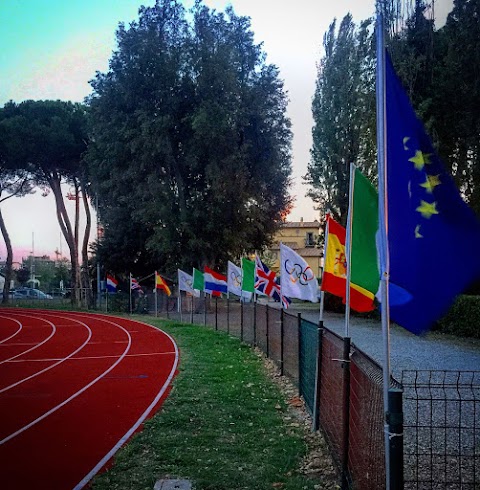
<point>222,427</point>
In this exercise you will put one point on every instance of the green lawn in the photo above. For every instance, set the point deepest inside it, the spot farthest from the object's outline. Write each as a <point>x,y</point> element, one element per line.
<point>223,426</point>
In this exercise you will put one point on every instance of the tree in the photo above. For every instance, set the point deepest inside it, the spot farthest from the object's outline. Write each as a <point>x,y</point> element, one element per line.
<point>12,184</point>
<point>47,139</point>
<point>342,109</point>
<point>191,145</point>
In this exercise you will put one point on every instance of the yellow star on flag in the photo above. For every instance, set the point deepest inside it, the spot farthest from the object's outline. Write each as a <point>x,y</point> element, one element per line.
<point>420,159</point>
<point>431,182</point>
<point>426,209</point>
<point>417,232</point>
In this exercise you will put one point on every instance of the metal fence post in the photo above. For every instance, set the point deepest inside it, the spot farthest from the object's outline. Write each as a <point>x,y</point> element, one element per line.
<point>241,321</point>
<point>346,411</point>
<point>205,310</point>
<point>255,324</point>
<point>191,308</point>
<point>299,334</point>
<point>318,379</point>
<point>267,333</point>
<point>228,313</point>
<point>395,428</point>
<point>282,341</point>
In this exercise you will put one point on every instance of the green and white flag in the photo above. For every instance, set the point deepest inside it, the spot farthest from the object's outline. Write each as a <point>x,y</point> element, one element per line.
<point>198,280</point>
<point>248,275</point>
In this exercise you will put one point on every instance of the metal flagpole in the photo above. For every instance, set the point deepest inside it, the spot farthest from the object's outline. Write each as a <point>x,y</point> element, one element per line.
<point>383,229</point>
<point>156,301</point>
<point>130,293</point>
<point>348,249</point>
<point>322,292</point>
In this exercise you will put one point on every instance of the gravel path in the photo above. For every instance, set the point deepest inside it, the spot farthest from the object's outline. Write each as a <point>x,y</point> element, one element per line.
<point>407,351</point>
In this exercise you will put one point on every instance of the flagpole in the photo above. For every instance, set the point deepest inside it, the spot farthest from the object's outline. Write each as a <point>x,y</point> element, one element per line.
<point>156,298</point>
<point>322,292</point>
<point>281,288</point>
<point>383,228</point>
<point>348,249</point>
<point>130,293</point>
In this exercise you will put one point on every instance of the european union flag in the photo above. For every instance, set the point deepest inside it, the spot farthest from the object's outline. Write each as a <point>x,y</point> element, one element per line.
<point>433,236</point>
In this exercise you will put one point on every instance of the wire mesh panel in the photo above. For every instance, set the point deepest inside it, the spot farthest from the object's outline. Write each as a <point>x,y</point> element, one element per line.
<point>441,429</point>
<point>261,322</point>
<point>366,452</point>
<point>275,335</point>
<point>248,322</point>
<point>332,411</point>
<point>222,307</point>
<point>308,361</point>
<point>234,318</point>
<point>290,340</point>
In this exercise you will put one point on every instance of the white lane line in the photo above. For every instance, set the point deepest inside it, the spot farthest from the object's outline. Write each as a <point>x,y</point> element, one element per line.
<point>135,426</point>
<point>96,357</point>
<point>20,326</point>
<point>63,359</point>
<point>36,346</point>
<point>72,397</point>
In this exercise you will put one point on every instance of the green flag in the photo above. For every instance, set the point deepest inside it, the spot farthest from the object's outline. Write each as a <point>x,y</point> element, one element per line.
<point>364,275</point>
<point>248,280</point>
<point>198,280</point>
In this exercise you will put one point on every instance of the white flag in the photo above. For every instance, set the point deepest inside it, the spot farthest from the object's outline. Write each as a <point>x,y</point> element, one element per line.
<point>185,282</point>
<point>296,276</point>
<point>234,279</point>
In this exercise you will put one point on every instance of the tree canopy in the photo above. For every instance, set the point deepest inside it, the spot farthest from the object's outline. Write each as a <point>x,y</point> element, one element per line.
<point>343,109</point>
<point>190,153</point>
<point>47,139</point>
<point>440,70</point>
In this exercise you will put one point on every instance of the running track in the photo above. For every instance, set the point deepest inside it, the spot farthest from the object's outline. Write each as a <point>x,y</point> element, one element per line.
<point>73,388</point>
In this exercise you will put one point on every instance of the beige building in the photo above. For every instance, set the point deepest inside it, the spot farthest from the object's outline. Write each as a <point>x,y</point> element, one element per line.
<point>301,236</point>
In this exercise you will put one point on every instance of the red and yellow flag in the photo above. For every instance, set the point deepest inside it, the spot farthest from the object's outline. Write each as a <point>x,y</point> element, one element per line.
<point>334,278</point>
<point>161,284</point>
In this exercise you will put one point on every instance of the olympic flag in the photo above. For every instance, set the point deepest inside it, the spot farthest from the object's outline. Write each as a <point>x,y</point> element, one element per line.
<point>296,276</point>
<point>234,281</point>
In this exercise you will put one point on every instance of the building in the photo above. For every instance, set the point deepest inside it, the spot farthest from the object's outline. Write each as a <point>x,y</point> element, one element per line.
<point>303,237</point>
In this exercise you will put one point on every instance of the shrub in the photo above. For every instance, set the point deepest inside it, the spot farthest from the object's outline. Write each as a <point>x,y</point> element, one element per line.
<point>463,318</point>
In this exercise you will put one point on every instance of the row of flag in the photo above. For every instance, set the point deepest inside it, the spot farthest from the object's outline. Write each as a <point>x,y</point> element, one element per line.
<point>160,284</point>
<point>296,280</point>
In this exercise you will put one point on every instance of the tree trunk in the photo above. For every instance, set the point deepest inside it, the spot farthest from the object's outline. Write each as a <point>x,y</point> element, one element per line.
<point>9,261</point>
<point>66,227</point>
<point>86,283</point>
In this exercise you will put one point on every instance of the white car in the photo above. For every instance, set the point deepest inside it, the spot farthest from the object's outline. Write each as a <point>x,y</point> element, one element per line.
<point>31,293</point>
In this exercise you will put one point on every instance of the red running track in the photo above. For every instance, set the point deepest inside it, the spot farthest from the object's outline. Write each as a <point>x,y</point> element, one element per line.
<point>73,388</point>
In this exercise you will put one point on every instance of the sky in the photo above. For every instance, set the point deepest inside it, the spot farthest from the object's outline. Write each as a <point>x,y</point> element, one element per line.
<point>52,48</point>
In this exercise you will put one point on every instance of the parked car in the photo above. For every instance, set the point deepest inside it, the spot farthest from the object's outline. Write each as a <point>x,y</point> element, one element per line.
<point>16,295</point>
<point>30,293</point>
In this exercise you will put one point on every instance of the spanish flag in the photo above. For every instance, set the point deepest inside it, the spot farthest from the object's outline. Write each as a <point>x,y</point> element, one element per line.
<point>335,268</point>
<point>161,284</point>
<point>334,278</point>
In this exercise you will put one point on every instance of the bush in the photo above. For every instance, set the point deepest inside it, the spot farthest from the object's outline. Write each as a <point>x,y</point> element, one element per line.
<point>463,318</point>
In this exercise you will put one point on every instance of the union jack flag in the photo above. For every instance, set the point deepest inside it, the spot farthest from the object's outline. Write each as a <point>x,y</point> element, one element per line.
<point>134,284</point>
<point>266,283</point>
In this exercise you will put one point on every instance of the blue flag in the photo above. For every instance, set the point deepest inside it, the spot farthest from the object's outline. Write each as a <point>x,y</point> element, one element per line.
<point>433,236</point>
